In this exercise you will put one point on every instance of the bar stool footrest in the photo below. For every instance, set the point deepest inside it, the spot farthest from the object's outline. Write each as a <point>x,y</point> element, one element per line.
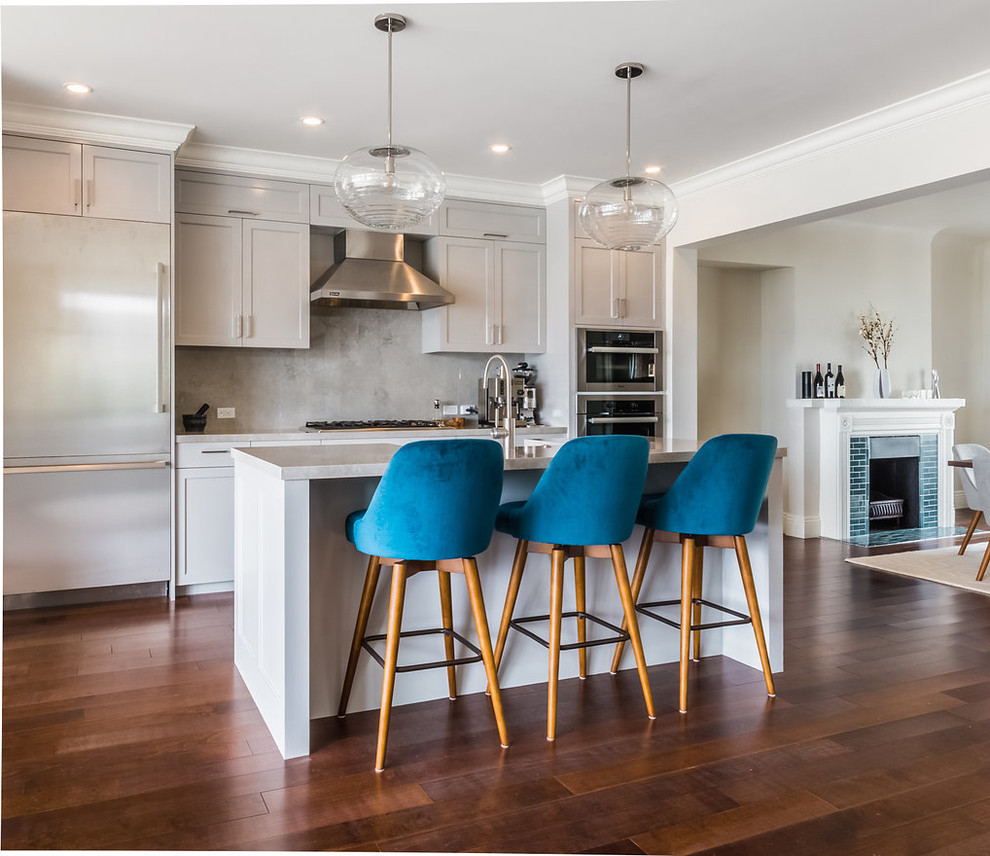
<point>740,617</point>
<point>620,634</point>
<point>416,667</point>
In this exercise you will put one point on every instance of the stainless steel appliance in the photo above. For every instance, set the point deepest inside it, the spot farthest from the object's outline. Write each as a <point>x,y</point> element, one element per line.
<point>619,360</point>
<point>522,395</point>
<point>641,416</point>
<point>87,426</point>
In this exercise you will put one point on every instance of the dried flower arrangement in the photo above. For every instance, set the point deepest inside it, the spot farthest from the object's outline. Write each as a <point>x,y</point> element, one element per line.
<point>877,336</point>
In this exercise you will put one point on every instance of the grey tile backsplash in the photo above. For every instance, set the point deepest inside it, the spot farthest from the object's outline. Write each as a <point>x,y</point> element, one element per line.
<point>362,364</point>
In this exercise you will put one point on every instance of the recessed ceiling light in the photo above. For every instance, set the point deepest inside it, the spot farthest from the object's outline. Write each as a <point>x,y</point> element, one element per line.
<point>78,88</point>
<point>499,148</point>
<point>312,121</point>
<point>652,169</point>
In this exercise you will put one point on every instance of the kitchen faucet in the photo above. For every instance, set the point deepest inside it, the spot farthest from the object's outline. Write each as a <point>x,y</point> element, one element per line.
<point>503,405</point>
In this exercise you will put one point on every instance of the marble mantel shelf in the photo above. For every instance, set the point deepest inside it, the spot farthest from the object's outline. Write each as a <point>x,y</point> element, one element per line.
<point>880,404</point>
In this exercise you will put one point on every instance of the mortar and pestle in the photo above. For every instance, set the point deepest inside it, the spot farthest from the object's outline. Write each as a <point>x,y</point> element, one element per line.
<point>195,422</point>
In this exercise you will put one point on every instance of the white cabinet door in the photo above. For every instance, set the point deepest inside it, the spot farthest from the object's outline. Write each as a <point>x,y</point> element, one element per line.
<point>208,280</point>
<point>275,295</point>
<point>469,219</point>
<point>125,185</point>
<point>465,267</point>
<point>205,525</point>
<point>52,177</point>
<point>595,283</point>
<point>520,287</point>
<point>42,176</point>
<point>236,196</point>
<point>642,277</point>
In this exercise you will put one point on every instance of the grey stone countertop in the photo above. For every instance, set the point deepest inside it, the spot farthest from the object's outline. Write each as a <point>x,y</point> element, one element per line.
<point>365,434</point>
<point>291,463</point>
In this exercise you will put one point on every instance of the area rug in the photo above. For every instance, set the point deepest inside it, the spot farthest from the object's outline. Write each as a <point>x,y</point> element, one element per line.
<point>943,566</point>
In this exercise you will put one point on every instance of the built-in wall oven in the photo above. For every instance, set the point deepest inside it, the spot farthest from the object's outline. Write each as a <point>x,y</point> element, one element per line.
<point>619,415</point>
<point>619,360</point>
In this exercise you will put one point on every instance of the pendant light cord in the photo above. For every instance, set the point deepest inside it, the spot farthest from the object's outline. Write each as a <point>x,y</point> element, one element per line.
<point>388,91</point>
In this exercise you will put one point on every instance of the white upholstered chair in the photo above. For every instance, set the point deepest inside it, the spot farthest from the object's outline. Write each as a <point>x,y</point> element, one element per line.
<point>981,475</point>
<point>968,452</point>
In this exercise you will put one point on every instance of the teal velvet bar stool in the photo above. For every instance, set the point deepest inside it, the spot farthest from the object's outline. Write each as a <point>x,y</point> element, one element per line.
<point>434,509</point>
<point>583,505</point>
<point>714,502</point>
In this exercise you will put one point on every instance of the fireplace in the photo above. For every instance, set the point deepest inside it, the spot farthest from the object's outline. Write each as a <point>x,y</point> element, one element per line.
<point>889,453</point>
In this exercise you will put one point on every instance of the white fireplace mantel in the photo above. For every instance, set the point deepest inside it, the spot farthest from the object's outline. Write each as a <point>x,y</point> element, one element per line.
<point>829,426</point>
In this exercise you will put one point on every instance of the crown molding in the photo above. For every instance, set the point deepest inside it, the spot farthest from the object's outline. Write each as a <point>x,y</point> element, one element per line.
<point>79,126</point>
<point>925,108</point>
<point>566,187</point>
<point>315,170</point>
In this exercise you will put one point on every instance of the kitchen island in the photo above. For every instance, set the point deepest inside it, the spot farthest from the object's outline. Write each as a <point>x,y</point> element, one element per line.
<point>298,582</point>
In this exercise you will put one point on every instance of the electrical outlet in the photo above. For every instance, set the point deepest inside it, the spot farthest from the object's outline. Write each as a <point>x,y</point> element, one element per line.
<point>225,413</point>
<point>450,410</point>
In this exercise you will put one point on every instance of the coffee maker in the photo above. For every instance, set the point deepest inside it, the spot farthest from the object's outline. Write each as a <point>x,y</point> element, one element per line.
<point>522,396</point>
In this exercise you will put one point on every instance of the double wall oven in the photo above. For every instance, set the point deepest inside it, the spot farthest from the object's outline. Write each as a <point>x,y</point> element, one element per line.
<point>620,382</point>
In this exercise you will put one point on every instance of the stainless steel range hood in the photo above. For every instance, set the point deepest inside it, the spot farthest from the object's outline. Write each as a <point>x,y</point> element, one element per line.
<point>370,270</point>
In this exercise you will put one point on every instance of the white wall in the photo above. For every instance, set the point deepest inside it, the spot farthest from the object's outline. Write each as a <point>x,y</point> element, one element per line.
<point>799,307</point>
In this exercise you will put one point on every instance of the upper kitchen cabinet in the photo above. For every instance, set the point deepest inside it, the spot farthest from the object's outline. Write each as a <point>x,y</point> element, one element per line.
<point>325,210</point>
<point>466,219</point>
<point>498,282</point>
<point>241,282</point>
<point>235,196</point>
<point>614,288</point>
<point>53,177</point>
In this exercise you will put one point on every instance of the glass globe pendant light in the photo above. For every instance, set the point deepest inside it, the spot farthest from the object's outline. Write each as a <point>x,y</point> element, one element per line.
<point>389,187</point>
<point>631,212</point>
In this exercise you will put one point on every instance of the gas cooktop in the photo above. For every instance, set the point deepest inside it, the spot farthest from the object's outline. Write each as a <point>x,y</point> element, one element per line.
<point>369,424</point>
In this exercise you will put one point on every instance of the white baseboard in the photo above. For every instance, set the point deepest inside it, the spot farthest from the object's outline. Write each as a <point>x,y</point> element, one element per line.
<point>799,526</point>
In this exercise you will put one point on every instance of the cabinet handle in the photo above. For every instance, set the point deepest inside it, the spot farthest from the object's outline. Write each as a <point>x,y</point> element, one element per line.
<point>622,307</point>
<point>164,350</point>
<point>248,326</point>
<point>493,235</point>
<point>615,308</point>
<point>77,193</point>
<point>247,213</point>
<point>499,328</point>
<point>214,451</point>
<point>90,192</point>
<point>238,326</point>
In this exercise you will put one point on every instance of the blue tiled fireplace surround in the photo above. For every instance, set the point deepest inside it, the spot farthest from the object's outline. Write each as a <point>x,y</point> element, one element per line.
<point>859,484</point>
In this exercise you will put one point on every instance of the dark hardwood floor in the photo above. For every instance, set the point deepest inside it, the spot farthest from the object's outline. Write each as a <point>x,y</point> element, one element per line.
<point>125,726</point>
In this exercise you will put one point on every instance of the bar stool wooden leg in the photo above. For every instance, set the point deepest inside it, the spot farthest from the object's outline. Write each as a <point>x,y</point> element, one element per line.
<point>557,558</point>
<point>448,624</point>
<point>632,625</point>
<point>642,560</point>
<point>391,659</point>
<point>969,532</point>
<point>746,570</point>
<point>699,561</point>
<point>360,627</point>
<point>688,548</point>
<point>580,603</point>
<point>518,564</point>
<point>485,643</point>
<point>983,564</point>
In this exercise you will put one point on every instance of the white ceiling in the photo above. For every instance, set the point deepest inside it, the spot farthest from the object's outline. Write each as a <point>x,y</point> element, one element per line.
<point>725,78</point>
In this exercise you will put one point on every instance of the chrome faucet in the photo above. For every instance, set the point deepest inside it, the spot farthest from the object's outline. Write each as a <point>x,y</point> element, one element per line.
<point>503,405</point>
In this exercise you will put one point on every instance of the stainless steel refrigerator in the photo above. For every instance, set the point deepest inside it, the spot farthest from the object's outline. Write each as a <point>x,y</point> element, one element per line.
<point>86,403</point>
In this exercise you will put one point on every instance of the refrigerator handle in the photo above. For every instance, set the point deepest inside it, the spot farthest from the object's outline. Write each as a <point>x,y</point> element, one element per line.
<point>164,325</point>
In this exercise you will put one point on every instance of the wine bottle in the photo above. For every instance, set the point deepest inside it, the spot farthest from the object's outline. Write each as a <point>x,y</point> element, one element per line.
<point>829,383</point>
<point>819,381</point>
<point>840,384</point>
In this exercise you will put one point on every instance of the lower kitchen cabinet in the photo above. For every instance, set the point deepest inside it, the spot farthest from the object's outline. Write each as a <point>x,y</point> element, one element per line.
<point>205,525</point>
<point>204,553</point>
